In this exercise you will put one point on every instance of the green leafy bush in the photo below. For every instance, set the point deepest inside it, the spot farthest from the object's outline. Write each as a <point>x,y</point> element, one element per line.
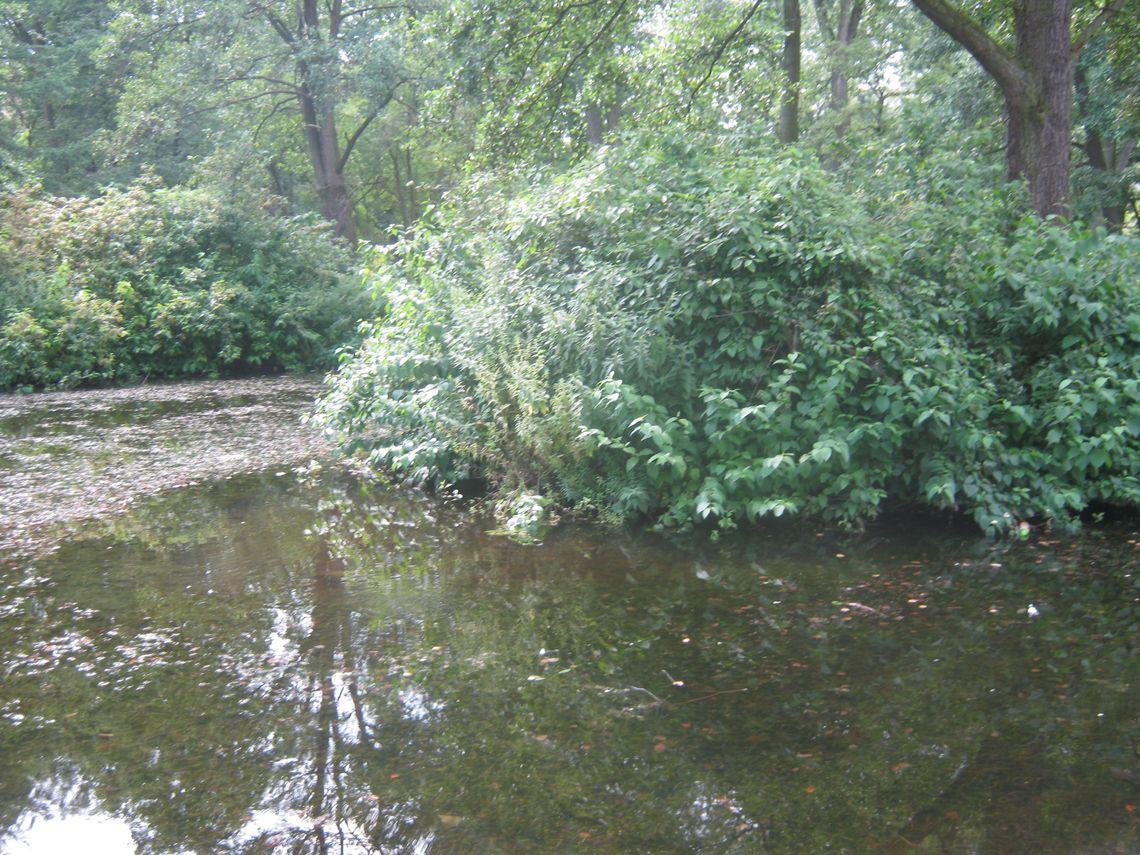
<point>157,283</point>
<point>694,332</point>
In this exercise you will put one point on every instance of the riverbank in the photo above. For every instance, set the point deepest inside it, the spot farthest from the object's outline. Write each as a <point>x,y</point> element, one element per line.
<point>70,457</point>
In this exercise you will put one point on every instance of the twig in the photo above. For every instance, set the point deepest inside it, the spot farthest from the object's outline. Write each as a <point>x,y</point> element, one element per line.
<point>639,689</point>
<point>712,695</point>
<point>864,608</point>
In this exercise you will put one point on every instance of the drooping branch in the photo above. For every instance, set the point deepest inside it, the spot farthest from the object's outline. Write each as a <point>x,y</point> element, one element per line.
<point>1005,70</point>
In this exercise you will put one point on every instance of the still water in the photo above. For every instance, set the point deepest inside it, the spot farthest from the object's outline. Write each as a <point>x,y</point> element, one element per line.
<point>309,662</point>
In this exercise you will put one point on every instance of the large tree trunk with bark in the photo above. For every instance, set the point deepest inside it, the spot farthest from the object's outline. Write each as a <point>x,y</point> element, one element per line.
<point>1036,81</point>
<point>328,167</point>
<point>789,128</point>
<point>1040,114</point>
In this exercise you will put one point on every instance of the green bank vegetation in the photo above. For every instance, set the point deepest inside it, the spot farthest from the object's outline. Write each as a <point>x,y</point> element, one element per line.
<point>150,283</point>
<point>702,261</point>
<point>690,332</point>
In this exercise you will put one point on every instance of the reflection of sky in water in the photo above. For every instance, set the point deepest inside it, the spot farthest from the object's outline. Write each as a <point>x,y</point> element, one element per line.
<point>62,820</point>
<point>272,828</point>
<point>417,706</point>
<point>47,835</point>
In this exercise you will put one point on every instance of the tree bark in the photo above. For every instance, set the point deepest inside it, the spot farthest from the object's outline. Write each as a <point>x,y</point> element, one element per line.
<point>594,126</point>
<point>789,128</point>
<point>1041,128</point>
<point>317,107</point>
<point>328,170</point>
<point>599,126</point>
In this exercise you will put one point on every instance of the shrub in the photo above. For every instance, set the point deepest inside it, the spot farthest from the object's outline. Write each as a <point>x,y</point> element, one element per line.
<point>158,283</point>
<point>695,332</point>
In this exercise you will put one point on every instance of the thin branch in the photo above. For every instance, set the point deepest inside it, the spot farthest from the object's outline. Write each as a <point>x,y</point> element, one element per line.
<point>351,142</point>
<point>721,48</point>
<point>597,37</point>
<point>284,85</point>
<point>713,695</point>
<point>275,109</point>
<point>233,102</point>
<point>364,10</point>
<point>1095,25</point>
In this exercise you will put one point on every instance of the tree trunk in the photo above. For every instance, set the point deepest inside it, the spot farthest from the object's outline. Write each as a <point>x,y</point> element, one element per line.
<point>1041,119</point>
<point>839,35</point>
<point>328,170</point>
<point>1108,156</point>
<point>594,126</point>
<point>789,129</point>
<point>1036,82</point>
<point>599,126</point>
<point>1110,159</point>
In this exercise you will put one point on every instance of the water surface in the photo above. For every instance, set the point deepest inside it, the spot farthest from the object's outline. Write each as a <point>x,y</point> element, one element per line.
<point>307,664</point>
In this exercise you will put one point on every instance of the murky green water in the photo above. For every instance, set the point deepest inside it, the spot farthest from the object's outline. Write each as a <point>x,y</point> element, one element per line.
<point>264,665</point>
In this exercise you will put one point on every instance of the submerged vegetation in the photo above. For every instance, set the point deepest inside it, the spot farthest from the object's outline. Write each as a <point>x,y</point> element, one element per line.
<point>690,330</point>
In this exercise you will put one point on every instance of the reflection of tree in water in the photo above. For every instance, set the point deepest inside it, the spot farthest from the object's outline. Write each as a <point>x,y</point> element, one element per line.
<point>400,680</point>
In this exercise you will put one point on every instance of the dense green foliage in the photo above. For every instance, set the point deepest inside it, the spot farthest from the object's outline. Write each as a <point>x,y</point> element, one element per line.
<point>163,283</point>
<point>693,332</point>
